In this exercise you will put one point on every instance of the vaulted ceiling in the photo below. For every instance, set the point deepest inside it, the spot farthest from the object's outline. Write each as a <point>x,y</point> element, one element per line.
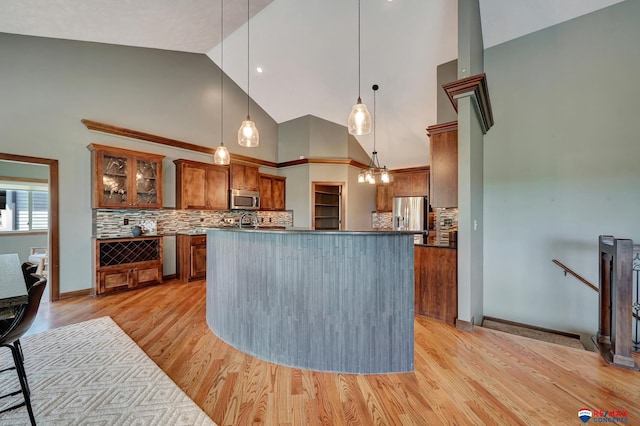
<point>308,49</point>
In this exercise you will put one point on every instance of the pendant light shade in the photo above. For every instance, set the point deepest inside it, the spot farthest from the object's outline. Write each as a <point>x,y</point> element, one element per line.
<point>221,156</point>
<point>248,135</point>
<point>359,122</point>
<point>359,119</point>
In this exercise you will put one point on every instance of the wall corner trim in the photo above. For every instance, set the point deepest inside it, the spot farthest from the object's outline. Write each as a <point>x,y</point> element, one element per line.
<point>476,88</point>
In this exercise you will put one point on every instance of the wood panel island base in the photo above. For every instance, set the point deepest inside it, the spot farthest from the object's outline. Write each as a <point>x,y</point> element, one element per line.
<point>339,301</point>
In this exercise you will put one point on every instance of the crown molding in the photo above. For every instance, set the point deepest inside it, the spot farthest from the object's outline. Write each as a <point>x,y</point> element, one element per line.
<point>442,128</point>
<point>476,88</point>
<point>97,126</point>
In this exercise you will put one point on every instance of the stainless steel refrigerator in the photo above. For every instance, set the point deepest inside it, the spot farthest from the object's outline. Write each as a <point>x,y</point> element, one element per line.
<point>411,214</point>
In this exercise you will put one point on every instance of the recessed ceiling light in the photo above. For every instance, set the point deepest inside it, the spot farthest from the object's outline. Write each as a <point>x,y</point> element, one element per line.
<point>259,69</point>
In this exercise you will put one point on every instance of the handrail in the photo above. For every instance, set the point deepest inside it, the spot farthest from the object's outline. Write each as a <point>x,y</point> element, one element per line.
<point>569,270</point>
<point>593,287</point>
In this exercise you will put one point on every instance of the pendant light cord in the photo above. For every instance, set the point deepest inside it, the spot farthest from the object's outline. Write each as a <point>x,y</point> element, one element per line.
<point>248,59</point>
<point>359,99</point>
<point>375,89</point>
<point>221,71</point>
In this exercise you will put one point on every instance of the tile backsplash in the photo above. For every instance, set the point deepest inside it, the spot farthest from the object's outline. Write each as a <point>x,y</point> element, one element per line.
<point>446,220</point>
<point>382,220</point>
<point>109,223</point>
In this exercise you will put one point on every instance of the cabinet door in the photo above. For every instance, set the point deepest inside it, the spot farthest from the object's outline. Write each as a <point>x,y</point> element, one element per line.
<point>217,188</point>
<point>244,177</point>
<point>251,178</point>
<point>278,197</point>
<point>266,192</point>
<point>444,169</point>
<point>148,182</point>
<point>109,281</point>
<point>384,198</point>
<point>112,183</point>
<point>410,184</point>
<point>198,261</point>
<point>192,187</point>
<point>147,276</point>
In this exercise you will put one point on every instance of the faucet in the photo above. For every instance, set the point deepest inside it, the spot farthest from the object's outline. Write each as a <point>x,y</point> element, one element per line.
<point>253,219</point>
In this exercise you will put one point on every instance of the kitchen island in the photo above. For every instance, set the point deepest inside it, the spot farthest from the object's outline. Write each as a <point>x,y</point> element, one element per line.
<point>339,301</point>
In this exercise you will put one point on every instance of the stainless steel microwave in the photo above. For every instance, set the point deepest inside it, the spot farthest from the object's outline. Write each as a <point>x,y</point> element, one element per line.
<point>244,200</point>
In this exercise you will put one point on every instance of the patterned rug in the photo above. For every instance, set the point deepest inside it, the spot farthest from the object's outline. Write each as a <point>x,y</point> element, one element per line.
<point>93,373</point>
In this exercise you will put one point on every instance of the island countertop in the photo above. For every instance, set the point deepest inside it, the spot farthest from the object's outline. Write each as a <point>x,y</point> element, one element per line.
<point>339,301</point>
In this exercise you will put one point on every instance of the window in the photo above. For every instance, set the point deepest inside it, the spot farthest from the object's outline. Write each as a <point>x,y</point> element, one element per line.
<point>24,210</point>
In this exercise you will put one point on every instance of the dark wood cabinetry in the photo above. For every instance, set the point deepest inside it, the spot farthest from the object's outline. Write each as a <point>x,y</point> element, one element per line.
<point>127,263</point>
<point>244,176</point>
<point>125,179</point>
<point>411,184</point>
<point>436,282</point>
<point>191,253</point>
<point>201,186</point>
<point>444,164</point>
<point>272,192</point>
<point>384,197</point>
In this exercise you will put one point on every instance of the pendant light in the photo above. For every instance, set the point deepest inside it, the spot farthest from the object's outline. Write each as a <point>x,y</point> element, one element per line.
<point>248,133</point>
<point>221,155</point>
<point>359,122</point>
<point>374,173</point>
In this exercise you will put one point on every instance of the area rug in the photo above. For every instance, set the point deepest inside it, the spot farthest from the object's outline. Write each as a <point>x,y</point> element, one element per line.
<point>92,373</point>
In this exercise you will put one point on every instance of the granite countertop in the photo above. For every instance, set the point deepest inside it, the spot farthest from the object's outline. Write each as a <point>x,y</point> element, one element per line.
<point>436,242</point>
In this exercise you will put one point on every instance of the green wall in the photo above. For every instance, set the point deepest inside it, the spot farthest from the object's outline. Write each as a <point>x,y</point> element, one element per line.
<point>49,85</point>
<point>561,164</point>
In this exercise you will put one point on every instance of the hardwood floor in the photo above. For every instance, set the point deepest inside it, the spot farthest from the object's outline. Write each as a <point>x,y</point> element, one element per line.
<point>461,378</point>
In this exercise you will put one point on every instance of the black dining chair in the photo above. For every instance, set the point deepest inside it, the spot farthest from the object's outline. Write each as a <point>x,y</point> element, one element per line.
<point>10,338</point>
<point>28,271</point>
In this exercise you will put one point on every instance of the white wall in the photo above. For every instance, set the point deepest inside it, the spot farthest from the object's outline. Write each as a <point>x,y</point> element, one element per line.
<point>49,85</point>
<point>562,165</point>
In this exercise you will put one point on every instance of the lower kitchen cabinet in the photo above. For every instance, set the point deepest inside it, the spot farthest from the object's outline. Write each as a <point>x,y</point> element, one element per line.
<point>127,263</point>
<point>191,252</point>
<point>436,282</point>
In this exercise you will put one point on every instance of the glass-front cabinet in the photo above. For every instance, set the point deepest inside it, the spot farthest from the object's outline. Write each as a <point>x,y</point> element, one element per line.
<point>125,179</point>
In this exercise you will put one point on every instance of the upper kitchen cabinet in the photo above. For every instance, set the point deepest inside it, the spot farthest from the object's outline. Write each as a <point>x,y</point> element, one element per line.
<point>201,186</point>
<point>384,197</point>
<point>125,179</point>
<point>244,176</point>
<point>444,164</point>
<point>410,184</point>
<point>272,192</point>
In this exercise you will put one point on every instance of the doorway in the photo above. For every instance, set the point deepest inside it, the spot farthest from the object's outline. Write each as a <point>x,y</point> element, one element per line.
<point>54,218</point>
<point>328,205</point>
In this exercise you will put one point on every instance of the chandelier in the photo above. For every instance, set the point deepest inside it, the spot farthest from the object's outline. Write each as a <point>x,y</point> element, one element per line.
<point>374,173</point>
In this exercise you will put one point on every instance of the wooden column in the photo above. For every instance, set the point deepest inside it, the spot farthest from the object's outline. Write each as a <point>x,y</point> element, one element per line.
<point>616,292</point>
